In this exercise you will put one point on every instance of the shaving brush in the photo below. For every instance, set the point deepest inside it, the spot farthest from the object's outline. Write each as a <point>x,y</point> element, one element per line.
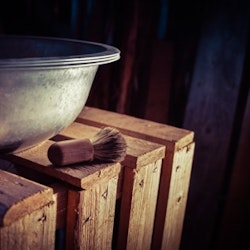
<point>108,145</point>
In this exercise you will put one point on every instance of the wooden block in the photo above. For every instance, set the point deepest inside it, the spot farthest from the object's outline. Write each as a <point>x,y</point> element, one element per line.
<point>90,187</point>
<point>27,214</point>
<point>138,204</point>
<point>139,128</point>
<point>142,163</point>
<point>140,183</point>
<point>169,214</point>
<point>61,197</point>
<point>80,175</point>
<point>91,215</point>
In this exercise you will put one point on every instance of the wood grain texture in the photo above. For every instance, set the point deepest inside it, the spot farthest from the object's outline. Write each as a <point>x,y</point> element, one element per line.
<point>210,113</point>
<point>138,204</point>
<point>177,197</point>
<point>19,197</point>
<point>141,155</point>
<point>80,175</point>
<point>91,216</point>
<point>139,152</point>
<point>234,227</point>
<point>35,230</point>
<point>61,197</point>
<point>136,127</point>
<point>175,139</point>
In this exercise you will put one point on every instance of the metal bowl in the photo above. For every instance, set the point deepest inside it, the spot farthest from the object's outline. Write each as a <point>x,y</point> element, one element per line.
<point>44,84</point>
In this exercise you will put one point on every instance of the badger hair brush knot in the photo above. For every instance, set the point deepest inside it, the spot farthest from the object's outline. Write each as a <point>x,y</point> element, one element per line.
<point>108,145</point>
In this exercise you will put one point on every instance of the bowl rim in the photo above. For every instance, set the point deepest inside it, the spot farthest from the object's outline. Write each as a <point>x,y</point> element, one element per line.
<point>107,55</point>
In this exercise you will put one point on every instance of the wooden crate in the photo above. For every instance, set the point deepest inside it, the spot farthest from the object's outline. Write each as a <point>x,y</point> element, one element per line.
<point>92,191</point>
<point>138,189</point>
<point>89,208</point>
<point>175,174</point>
<point>27,214</point>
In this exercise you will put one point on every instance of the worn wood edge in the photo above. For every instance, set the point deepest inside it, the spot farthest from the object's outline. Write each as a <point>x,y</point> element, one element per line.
<point>145,191</point>
<point>60,193</point>
<point>96,210</point>
<point>72,218</point>
<point>145,129</point>
<point>41,197</point>
<point>178,195</point>
<point>139,152</point>
<point>103,175</point>
<point>78,175</point>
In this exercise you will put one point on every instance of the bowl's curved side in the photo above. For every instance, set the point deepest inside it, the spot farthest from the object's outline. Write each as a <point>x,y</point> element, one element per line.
<point>37,104</point>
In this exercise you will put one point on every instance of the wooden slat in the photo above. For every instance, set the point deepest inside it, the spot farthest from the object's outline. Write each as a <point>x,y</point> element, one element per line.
<point>175,139</point>
<point>36,157</point>
<point>95,211</point>
<point>35,230</point>
<point>177,199</point>
<point>138,128</point>
<point>139,152</point>
<point>20,197</point>
<point>143,161</point>
<point>61,197</point>
<point>233,231</point>
<point>138,204</point>
<point>157,108</point>
<point>80,175</point>
<point>210,112</point>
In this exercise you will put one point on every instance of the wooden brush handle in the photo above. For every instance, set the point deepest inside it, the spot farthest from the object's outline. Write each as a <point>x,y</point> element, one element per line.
<point>71,151</point>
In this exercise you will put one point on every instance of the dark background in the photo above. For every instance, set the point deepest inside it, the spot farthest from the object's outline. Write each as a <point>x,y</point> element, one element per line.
<point>184,63</point>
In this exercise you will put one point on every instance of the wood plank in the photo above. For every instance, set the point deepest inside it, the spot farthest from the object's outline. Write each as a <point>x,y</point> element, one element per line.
<point>80,175</point>
<point>138,204</point>
<point>141,155</point>
<point>20,197</point>
<point>136,127</point>
<point>158,94</point>
<point>61,197</point>
<point>233,231</point>
<point>210,113</point>
<point>35,230</point>
<point>91,216</point>
<point>139,152</point>
<point>174,139</point>
<point>177,198</point>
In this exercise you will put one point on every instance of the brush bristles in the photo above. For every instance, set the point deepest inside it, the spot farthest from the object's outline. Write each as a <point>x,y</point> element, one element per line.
<point>109,145</point>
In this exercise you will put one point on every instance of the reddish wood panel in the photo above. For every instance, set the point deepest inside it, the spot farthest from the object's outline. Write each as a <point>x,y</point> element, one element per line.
<point>234,229</point>
<point>210,113</point>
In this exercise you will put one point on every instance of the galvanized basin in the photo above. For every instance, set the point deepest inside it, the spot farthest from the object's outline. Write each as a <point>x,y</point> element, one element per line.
<point>44,84</point>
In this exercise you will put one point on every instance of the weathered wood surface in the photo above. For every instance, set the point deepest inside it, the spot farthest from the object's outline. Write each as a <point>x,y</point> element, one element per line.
<point>233,231</point>
<point>143,162</point>
<point>177,198</point>
<point>138,206</point>
<point>210,113</point>
<point>136,127</point>
<point>61,197</point>
<point>90,179</point>
<point>139,152</point>
<point>28,214</point>
<point>20,197</point>
<point>91,212</point>
<point>36,158</point>
<point>175,139</point>
<point>34,231</point>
